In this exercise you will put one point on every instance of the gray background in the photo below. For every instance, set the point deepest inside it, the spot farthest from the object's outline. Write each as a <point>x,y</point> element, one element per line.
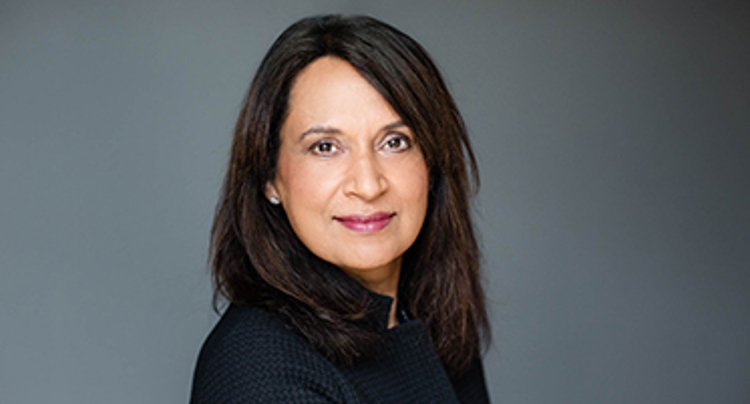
<point>614,147</point>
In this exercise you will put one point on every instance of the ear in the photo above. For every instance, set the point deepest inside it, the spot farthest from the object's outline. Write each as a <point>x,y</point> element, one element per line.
<point>271,193</point>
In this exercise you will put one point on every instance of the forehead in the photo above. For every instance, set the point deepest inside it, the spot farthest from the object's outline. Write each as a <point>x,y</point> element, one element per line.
<point>330,88</point>
<point>325,72</point>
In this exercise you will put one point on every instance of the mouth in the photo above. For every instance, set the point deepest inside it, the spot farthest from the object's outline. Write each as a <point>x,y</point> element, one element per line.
<point>365,223</point>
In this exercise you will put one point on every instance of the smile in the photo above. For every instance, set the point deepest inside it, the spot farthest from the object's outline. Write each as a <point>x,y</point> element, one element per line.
<point>365,224</point>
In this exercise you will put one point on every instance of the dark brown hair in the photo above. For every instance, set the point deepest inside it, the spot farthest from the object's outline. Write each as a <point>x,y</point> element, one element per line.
<point>258,260</point>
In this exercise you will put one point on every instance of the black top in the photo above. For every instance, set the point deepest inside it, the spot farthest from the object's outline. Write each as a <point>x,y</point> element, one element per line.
<point>251,356</point>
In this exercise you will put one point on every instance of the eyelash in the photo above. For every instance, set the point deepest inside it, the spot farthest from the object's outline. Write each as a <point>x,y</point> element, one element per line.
<point>334,148</point>
<point>314,148</point>
<point>405,140</point>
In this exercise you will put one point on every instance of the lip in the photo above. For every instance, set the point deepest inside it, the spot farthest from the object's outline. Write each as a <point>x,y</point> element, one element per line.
<point>365,223</point>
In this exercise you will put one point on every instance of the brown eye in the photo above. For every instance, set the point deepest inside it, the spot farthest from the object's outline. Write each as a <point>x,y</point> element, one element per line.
<point>397,143</point>
<point>324,148</point>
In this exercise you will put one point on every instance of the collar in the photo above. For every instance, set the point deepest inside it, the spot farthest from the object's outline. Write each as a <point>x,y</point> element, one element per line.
<point>380,306</point>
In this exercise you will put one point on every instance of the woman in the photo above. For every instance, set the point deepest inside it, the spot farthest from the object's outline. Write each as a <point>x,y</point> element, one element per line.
<point>342,239</point>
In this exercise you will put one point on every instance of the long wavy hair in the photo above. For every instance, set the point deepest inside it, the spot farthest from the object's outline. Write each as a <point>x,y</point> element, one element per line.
<point>258,260</point>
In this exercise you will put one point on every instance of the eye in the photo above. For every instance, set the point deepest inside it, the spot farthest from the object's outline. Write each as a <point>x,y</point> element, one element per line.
<point>324,148</point>
<point>397,142</point>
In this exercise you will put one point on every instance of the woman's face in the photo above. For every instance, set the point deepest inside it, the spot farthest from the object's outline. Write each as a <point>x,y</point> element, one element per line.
<point>350,176</point>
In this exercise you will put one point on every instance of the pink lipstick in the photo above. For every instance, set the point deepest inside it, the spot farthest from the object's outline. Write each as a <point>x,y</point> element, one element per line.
<point>366,224</point>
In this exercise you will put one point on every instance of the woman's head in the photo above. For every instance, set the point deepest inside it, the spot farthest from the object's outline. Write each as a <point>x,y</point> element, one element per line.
<point>269,254</point>
<point>349,175</point>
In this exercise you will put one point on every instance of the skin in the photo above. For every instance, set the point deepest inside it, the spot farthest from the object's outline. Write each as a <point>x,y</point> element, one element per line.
<point>345,152</point>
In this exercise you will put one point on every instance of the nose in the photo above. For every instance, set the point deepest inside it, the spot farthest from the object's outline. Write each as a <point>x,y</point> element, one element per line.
<point>365,179</point>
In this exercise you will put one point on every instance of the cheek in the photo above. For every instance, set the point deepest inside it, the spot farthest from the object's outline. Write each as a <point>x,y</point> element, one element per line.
<point>422,199</point>
<point>418,183</point>
<point>304,188</point>
<point>415,191</point>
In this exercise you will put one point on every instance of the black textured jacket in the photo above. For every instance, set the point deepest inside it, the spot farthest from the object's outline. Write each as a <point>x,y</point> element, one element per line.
<point>251,356</point>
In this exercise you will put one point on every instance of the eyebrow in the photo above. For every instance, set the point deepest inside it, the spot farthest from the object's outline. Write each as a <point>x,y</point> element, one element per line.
<point>393,125</point>
<point>333,130</point>
<point>319,129</point>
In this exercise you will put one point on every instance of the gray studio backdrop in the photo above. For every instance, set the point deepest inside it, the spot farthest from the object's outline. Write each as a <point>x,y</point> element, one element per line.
<point>614,147</point>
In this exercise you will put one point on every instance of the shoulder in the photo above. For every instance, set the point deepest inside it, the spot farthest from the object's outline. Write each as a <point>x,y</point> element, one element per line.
<point>471,387</point>
<point>251,356</point>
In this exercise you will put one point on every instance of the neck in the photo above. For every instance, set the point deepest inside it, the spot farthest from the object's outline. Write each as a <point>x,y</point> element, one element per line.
<point>392,321</point>
<point>382,281</point>
<point>390,290</point>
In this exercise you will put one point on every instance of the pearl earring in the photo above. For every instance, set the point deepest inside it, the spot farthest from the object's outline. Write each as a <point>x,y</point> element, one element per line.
<point>274,200</point>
